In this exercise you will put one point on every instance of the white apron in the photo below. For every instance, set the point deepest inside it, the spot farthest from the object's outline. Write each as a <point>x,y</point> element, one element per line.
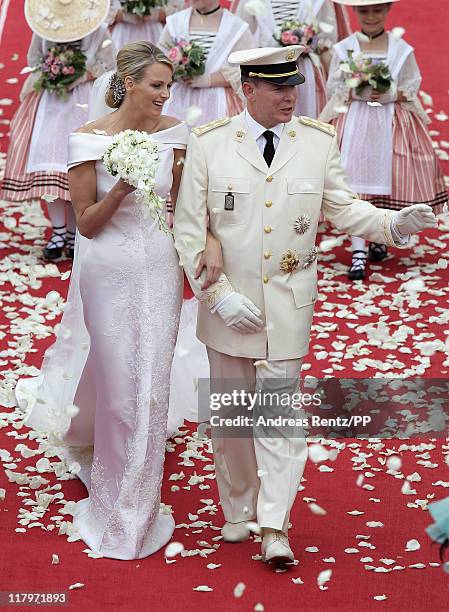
<point>370,168</point>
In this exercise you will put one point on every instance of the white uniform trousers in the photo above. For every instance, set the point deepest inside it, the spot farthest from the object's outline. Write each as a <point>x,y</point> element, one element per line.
<point>257,477</point>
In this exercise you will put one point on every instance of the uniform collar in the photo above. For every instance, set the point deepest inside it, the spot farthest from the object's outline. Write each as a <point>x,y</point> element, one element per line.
<point>257,130</point>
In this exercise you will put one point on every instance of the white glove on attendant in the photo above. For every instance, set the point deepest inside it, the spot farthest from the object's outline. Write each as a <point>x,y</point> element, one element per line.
<point>204,80</point>
<point>413,219</point>
<point>240,314</point>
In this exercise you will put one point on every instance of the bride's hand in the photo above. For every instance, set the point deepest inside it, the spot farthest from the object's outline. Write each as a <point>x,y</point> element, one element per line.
<point>212,260</point>
<point>124,188</point>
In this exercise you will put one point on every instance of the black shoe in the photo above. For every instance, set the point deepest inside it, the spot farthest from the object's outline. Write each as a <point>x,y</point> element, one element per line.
<point>52,254</point>
<point>70,252</point>
<point>54,248</point>
<point>377,252</point>
<point>356,271</point>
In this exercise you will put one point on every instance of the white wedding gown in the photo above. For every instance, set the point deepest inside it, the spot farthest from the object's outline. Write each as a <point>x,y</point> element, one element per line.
<point>112,359</point>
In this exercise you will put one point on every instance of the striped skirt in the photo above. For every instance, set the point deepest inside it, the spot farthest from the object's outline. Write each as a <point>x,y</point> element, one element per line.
<point>18,184</point>
<point>417,176</point>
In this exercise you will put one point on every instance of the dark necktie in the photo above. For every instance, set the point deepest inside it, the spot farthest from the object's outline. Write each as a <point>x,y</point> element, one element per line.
<point>268,151</point>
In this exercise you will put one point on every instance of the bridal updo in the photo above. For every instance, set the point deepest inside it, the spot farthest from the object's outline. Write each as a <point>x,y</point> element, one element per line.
<point>132,60</point>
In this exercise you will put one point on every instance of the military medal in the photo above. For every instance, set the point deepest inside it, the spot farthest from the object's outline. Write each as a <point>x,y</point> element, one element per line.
<point>229,201</point>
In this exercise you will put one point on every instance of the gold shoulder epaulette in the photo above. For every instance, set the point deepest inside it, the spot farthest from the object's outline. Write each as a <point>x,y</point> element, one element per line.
<point>319,125</point>
<point>202,129</point>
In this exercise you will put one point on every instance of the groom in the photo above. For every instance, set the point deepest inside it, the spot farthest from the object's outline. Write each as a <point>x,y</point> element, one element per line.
<point>261,180</point>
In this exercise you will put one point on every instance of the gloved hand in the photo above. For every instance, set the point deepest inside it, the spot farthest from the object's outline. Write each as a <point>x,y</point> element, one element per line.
<point>413,219</point>
<point>240,314</point>
<point>204,80</point>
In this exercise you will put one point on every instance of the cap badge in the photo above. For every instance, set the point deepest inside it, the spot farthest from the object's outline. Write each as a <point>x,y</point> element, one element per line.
<point>240,134</point>
<point>292,134</point>
<point>290,55</point>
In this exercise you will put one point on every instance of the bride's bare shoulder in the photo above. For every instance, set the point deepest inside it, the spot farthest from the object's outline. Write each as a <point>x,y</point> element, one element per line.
<point>168,122</point>
<point>91,126</point>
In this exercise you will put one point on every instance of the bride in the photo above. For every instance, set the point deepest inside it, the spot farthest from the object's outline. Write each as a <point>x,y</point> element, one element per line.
<point>115,344</point>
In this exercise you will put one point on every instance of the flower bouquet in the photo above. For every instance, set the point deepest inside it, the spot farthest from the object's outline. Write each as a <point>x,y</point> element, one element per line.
<point>59,69</point>
<point>361,72</point>
<point>296,33</point>
<point>134,157</point>
<point>141,8</point>
<point>188,59</point>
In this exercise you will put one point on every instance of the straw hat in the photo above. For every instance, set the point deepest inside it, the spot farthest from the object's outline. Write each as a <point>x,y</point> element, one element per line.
<point>363,2</point>
<point>64,21</point>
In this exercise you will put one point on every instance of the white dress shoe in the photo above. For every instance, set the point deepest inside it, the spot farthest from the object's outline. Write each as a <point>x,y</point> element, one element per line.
<point>235,532</point>
<point>275,548</point>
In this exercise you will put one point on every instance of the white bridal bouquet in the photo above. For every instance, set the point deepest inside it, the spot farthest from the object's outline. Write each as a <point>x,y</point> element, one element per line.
<point>134,157</point>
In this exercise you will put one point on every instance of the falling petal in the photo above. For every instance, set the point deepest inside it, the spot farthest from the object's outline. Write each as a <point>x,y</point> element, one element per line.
<point>193,114</point>
<point>255,7</point>
<point>71,411</point>
<point>398,32</point>
<point>363,38</point>
<point>173,549</point>
<point>49,198</point>
<point>394,463</point>
<point>239,589</point>
<point>324,577</point>
<point>325,27</point>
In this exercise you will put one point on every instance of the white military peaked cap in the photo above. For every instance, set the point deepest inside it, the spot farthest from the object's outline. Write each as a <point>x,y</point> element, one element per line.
<point>277,65</point>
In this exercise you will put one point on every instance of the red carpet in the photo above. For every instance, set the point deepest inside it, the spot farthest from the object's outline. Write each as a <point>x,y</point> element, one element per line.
<point>344,344</point>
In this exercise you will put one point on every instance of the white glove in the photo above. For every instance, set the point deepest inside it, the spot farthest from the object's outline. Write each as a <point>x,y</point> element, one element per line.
<point>413,219</point>
<point>240,314</point>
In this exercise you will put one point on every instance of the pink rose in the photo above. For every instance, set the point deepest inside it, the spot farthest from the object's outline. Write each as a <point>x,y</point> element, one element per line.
<point>55,69</point>
<point>182,43</point>
<point>175,55</point>
<point>65,70</point>
<point>294,40</point>
<point>71,70</point>
<point>285,37</point>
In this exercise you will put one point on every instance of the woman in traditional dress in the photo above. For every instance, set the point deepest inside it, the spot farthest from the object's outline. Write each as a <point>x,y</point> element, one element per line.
<point>312,94</point>
<point>129,27</point>
<point>113,355</point>
<point>36,163</point>
<point>218,32</point>
<point>385,146</point>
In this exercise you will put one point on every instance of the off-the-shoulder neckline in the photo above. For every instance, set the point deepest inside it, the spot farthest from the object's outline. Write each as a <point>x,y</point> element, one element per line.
<point>178,125</point>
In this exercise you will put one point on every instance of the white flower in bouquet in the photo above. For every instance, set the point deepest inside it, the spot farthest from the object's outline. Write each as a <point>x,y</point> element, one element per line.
<point>134,157</point>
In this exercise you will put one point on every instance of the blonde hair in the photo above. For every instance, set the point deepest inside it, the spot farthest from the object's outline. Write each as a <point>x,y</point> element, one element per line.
<point>132,60</point>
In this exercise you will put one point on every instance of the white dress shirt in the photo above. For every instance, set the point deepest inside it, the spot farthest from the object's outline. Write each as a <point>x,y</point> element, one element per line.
<point>257,131</point>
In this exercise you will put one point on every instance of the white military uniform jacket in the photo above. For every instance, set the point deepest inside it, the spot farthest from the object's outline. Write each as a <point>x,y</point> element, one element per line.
<point>268,238</point>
